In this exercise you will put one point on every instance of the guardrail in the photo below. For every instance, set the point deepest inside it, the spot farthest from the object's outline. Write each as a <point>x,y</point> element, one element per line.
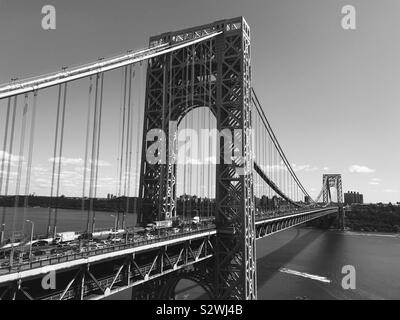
<point>277,214</point>
<point>90,253</point>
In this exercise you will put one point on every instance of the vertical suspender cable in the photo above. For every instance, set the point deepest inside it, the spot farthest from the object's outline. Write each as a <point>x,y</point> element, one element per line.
<point>10,151</point>
<point>209,164</point>
<point>98,148</point>
<point>5,143</point>
<point>171,199</point>
<point>60,157</point>
<point>139,138</point>
<point>85,165</point>
<point>20,157</point>
<point>129,169</point>
<point>30,155</point>
<point>54,160</point>
<point>191,173</point>
<point>123,131</point>
<point>128,125</point>
<point>119,131</point>
<point>3,159</point>
<point>184,165</point>
<point>92,158</point>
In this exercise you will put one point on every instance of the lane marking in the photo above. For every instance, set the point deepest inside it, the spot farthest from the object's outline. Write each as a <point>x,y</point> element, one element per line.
<point>351,233</point>
<point>305,275</point>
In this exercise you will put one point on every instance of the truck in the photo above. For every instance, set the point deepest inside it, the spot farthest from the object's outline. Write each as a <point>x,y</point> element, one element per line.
<point>64,237</point>
<point>163,224</point>
<point>100,235</point>
<point>196,220</point>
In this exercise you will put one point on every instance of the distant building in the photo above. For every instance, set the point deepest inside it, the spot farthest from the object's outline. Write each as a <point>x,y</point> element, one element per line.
<point>352,197</point>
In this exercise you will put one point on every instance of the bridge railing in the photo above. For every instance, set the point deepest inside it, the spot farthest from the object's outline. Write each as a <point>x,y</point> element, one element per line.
<point>278,214</point>
<point>90,253</point>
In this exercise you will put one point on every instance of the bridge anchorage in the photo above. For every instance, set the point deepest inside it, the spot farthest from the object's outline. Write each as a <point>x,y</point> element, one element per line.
<point>257,192</point>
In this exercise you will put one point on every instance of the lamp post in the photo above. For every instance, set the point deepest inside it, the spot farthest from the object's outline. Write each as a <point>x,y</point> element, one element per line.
<point>2,231</point>
<point>30,244</point>
<point>115,221</point>
<point>115,225</point>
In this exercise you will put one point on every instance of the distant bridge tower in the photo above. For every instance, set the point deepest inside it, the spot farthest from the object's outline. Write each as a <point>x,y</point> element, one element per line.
<point>332,181</point>
<point>214,73</point>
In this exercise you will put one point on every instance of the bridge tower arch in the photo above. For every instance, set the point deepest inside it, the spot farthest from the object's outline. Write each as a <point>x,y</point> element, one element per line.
<point>216,73</point>
<point>332,181</point>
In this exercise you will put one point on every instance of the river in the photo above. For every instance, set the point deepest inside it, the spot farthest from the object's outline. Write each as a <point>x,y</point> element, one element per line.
<point>303,263</point>
<point>67,220</point>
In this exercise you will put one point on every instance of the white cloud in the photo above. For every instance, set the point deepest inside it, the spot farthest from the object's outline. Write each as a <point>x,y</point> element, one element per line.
<point>390,191</point>
<point>78,161</point>
<point>304,167</point>
<point>360,169</point>
<point>64,160</point>
<point>12,159</point>
<point>375,181</point>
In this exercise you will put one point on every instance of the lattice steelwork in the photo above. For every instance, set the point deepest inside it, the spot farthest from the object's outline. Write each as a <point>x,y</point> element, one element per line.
<point>214,73</point>
<point>329,181</point>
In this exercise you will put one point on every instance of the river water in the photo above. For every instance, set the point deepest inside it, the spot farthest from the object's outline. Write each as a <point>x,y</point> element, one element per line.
<point>67,220</point>
<point>307,264</point>
<point>288,261</point>
<point>299,263</point>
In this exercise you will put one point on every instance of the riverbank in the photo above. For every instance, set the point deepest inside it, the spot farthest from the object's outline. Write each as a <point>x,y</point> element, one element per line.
<point>373,218</point>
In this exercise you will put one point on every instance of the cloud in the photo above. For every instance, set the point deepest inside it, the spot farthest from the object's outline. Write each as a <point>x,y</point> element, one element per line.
<point>375,181</point>
<point>64,160</point>
<point>12,159</point>
<point>360,169</point>
<point>78,161</point>
<point>390,190</point>
<point>304,167</point>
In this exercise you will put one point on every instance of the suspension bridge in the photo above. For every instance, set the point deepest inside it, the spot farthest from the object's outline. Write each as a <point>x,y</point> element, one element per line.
<point>201,202</point>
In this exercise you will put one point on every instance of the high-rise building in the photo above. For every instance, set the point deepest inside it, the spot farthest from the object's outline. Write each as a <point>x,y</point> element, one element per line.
<point>352,197</point>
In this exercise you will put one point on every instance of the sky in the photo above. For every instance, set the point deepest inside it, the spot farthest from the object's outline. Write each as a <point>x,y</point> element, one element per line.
<point>331,95</point>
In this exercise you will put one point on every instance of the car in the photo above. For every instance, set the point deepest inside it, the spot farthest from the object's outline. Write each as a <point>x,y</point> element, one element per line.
<point>39,253</point>
<point>40,243</point>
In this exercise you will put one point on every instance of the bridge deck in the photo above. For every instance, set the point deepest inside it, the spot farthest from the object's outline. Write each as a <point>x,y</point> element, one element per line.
<point>42,267</point>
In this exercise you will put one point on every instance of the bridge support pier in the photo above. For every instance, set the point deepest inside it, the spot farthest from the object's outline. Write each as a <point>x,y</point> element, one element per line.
<point>341,218</point>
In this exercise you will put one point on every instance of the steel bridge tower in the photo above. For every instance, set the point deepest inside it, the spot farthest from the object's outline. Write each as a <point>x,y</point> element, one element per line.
<point>334,181</point>
<point>215,73</point>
